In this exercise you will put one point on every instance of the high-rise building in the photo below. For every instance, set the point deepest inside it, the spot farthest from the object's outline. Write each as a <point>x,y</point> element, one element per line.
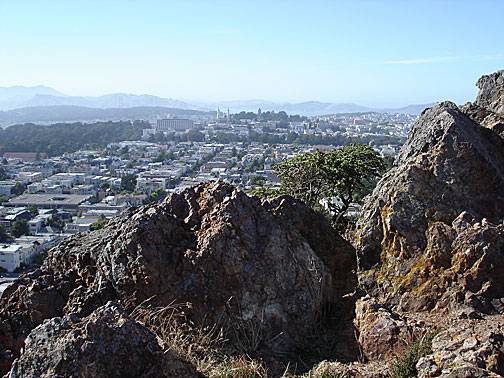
<point>174,124</point>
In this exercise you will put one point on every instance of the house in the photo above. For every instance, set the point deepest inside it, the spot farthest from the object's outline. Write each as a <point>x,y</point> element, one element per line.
<point>10,256</point>
<point>23,251</point>
<point>7,188</point>
<point>25,156</point>
<point>36,224</point>
<point>82,224</point>
<point>16,214</point>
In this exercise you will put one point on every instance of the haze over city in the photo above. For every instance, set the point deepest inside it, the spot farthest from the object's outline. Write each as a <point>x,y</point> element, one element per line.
<point>379,54</point>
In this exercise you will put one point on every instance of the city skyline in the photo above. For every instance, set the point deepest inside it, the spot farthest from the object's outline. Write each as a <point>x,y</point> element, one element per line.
<point>366,52</point>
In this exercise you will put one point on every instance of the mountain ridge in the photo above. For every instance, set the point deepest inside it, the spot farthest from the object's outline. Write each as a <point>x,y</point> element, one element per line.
<point>37,96</point>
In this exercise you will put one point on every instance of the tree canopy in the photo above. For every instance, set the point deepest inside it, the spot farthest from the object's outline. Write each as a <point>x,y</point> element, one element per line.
<point>20,228</point>
<point>331,180</point>
<point>128,183</point>
<point>3,235</point>
<point>67,137</point>
<point>99,224</point>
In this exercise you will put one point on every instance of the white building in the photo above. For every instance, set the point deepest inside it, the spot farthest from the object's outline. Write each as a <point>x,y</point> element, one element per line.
<point>174,124</point>
<point>29,177</point>
<point>149,185</point>
<point>10,256</point>
<point>35,187</point>
<point>23,251</point>
<point>6,187</point>
<point>82,224</point>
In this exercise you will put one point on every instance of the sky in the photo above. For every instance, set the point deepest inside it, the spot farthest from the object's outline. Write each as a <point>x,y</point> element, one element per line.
<point>374,53</point>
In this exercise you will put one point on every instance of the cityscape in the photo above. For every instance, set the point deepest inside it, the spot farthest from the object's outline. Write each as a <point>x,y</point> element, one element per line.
<point>45,199</point>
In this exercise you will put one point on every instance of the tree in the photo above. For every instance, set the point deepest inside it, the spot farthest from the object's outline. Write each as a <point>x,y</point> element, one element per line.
<point>33,210</point>
<point>19,228</point>
<point>257,180</point>
<point>4,237</point>
<point>302,177</point>
<point>262,192</point>
<point>332,179</point>
<point>18,189</point>
<point>99,224</point>
<point>155,196</point>
<point>3,174</point>
<point>128,183</point>
<point>55,222</point>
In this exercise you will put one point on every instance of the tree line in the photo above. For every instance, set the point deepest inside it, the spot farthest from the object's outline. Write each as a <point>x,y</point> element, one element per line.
<point>59,138</point>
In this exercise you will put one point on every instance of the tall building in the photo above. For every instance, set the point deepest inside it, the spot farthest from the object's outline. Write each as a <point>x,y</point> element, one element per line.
<point>174,124</point>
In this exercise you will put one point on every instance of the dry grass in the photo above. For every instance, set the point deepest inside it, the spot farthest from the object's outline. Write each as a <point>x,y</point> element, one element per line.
<point>239,367</point>
<point>205,347</point>
<point>225,350</point>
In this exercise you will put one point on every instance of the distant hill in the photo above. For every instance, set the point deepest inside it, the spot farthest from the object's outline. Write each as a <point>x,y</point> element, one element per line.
<point>41,96</point>
<point>116,100</point>
<point>65,113</point>
<point>410,109</point>
<point>308,108</point>
<point>17,96</point>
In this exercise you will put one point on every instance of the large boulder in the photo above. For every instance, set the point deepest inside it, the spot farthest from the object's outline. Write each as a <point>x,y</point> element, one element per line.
<point>265,271</point>
<point>413,235</point>
<point>491,92</point>
<point>383,333</point>
<point>104,344</point>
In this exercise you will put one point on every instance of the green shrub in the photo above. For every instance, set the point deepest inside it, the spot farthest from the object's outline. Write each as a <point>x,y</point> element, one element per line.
<point>404,366</point>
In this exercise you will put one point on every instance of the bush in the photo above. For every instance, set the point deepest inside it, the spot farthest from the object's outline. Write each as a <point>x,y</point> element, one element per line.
<point>405,365</point>
<point>99,224</point>
<point>19,228</point>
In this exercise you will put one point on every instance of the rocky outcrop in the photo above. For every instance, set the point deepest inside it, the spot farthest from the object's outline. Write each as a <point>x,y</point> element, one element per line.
<point>491,92</point>
<point>485,117</point>
<point>269,268</point>
<point>430,234</point>
<point>104,344</point>
<point>383,333</point>
<point>468,348</point>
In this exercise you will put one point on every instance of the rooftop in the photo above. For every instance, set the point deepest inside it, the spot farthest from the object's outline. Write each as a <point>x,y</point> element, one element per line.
<point>48,199</point>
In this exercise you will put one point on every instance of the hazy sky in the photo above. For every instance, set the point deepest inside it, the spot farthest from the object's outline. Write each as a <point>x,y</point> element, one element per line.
<point>370,52</point>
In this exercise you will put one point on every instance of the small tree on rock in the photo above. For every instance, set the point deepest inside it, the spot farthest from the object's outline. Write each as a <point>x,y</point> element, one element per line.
<point>330,180</point>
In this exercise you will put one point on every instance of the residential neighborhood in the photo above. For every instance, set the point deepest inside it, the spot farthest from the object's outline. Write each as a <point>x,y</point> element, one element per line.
<point>46,198</point>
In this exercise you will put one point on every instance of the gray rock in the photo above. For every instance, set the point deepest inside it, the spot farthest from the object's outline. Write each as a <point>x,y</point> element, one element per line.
<point>466,349</point>
<point>104,344</point>
<point>405,245</point>
<point>268,268</point>
<point>491,92</point>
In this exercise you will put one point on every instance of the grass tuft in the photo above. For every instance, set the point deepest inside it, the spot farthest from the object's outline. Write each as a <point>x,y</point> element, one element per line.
<point>404,366</point>
<point>239,367</point>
